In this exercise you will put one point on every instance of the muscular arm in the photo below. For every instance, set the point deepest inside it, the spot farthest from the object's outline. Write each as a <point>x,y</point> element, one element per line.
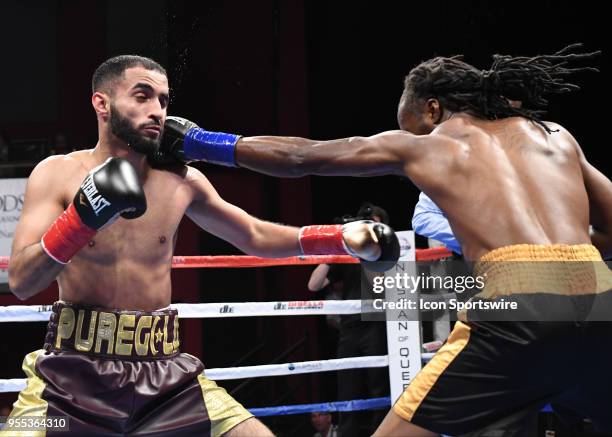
<point>31,270</point>
<point>382,154</point>
<point>266,239</point>
<point>599,190</point>
<point>249,234</point>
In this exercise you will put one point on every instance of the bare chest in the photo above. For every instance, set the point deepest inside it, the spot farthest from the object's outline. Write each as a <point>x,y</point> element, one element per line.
<point>148,239</point>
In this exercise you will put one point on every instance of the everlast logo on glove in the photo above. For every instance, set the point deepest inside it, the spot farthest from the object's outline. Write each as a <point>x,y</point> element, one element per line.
<point>97,202</point>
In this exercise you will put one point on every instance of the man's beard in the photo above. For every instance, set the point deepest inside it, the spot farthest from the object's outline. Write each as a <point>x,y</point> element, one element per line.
<point>122,128</point>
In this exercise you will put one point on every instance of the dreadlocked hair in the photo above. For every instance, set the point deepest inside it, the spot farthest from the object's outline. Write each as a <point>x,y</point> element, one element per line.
<point>529,80</point>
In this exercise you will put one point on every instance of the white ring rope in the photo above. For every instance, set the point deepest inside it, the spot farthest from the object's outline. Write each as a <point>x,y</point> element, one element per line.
<point>18,384</point>
<point>41,313</point>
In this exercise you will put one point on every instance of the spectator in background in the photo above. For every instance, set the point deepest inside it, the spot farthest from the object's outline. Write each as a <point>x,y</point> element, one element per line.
<point>322,423</point>
<point>356,337</point>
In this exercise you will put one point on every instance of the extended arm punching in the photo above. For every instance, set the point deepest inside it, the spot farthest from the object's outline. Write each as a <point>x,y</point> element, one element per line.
<point>382,154</point>
<point>369,241</point>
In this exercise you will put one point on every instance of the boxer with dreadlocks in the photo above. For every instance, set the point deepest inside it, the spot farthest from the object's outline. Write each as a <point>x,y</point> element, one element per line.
<point>514,188</point>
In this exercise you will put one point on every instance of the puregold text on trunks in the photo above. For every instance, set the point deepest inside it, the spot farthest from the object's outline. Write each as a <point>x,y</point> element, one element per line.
<point>122,333</point>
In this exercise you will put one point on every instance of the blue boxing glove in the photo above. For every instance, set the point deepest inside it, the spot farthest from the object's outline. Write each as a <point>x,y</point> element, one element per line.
<point>183,141</point>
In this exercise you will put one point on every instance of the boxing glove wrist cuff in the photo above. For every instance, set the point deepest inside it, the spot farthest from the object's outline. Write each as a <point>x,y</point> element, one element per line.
<point>322,240</point>
<point>66,236</point>
<point>215,147</point>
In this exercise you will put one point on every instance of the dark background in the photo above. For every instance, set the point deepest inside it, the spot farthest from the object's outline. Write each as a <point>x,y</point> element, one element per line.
<point>302,68</point>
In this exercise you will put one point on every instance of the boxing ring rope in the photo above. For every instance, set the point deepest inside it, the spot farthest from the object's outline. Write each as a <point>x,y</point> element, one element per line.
<point>41,313</point>
<point>227,373</point>
<point>244,261</point>
<point>333,407</point>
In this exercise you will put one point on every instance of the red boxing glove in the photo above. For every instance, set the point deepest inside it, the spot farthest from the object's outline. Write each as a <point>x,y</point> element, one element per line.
<point>66,236</point>
<point>323,240</point>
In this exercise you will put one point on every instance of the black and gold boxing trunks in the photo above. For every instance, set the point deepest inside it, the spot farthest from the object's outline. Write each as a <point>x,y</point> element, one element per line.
<point>491,374</point>
<point>118,373</point>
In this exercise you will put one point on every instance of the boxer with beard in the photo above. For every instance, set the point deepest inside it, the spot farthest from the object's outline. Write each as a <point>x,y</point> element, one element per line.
<point>111,360</point>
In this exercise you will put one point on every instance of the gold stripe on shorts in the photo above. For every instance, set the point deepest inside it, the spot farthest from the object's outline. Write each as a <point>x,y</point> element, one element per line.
<point>224,411</point>
<point>30,402</point>
<point>411,398</point>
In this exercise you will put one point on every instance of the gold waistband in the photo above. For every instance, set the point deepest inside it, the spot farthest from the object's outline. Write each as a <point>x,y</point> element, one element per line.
<point>112,333</point>
<point>557,269</point>
<point>540,252</point>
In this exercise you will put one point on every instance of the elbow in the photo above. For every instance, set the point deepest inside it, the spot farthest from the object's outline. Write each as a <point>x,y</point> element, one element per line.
<point>18,288</point>
<point>14,283</point>
<point>21,297</point>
